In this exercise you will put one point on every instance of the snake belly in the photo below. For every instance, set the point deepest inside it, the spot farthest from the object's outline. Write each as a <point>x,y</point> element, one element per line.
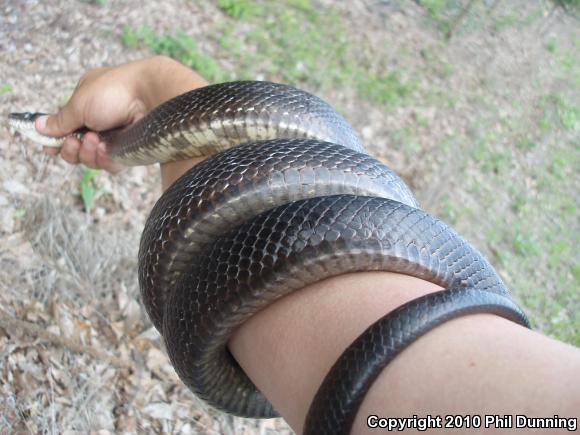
<point>290,198</point>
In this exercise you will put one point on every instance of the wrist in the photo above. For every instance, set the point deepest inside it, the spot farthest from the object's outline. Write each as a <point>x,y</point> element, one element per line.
<point>171,171</point>
<point>162,78</point>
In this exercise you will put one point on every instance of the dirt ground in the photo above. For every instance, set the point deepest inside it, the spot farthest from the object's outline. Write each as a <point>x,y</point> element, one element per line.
<point>77,352</point>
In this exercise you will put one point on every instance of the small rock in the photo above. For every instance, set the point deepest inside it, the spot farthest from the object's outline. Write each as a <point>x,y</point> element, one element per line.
<point>159,410</point>
<point>367,132</point>
<point>7,220</point>
<point>14,187</point>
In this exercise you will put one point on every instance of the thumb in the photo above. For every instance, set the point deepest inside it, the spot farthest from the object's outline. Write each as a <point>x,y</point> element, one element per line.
<point>61,124</point>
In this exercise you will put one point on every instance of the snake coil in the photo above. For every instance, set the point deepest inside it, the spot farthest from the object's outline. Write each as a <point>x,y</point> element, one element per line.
<point>290,198</point>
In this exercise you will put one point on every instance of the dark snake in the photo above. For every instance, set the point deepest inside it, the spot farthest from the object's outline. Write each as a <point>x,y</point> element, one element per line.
<point>290,198</point>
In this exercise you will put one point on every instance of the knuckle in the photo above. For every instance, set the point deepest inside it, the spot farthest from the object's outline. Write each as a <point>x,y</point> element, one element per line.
<point>90,164</point>
<point>61,118</point>
<point>86,77</point>
<point>90,75</point>
<point>69,158</point>
<point>70,152</point>
<point>88,156</point>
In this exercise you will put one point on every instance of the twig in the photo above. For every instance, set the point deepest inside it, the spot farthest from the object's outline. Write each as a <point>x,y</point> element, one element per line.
<point>459,19</point>
<point>546,24</point>
<point>567,9</point>
<point>493,7</point>
<point>13,324</point>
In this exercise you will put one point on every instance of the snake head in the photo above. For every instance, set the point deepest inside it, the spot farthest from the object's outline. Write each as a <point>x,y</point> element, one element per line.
<point>23,123</point>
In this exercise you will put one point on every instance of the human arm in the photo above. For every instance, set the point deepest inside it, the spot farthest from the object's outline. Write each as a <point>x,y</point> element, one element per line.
<point>474,365</point>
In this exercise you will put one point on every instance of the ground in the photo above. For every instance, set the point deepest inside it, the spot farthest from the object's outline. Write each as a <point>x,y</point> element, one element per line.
<point>475,103</point>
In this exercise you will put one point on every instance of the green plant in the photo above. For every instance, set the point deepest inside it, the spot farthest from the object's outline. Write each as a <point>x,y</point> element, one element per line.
<point>449,210</point>
<point>438,11</point>
<point>291,40</point>
<point>435,8</point>
<point>88,189</point>
<point>558,166</point>
<point>552,47</point>
<point>95,2</point>
<point>5,88</point>
<point>304,5</point>
<point>526,144</point>
<point>130,37</point>
<point>20,213</point>
<point>507,22</point>
<point>179,46</point>
<point>385,89</point>
<point>569,115</point>
<point>559,110</point>
<point>568,5</point>
<point>497,162</point>
<point>406,140</point>
<point>241,9</point>
<point>524,244</point>
<point>576,273</point>
<point>297,44</point>
<point>558,250</point>
<point>519,202</point>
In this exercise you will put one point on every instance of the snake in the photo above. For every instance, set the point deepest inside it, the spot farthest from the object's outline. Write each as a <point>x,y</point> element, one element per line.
<point>287,196</point>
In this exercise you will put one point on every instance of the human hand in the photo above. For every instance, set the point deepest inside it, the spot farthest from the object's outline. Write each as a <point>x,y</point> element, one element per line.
<point>113,97</point>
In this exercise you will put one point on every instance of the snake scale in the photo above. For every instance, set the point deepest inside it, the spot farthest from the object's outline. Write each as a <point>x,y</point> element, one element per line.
<point>288,198</point>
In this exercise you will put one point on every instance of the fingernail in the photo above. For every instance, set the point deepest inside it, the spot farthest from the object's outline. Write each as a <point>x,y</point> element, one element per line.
<point>40,123</point>
<point>87,141</point>
<point>102,147</point>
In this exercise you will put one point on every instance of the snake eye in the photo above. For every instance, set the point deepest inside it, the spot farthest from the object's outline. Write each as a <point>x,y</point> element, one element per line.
<point>25,116</point>
<point>31,116</point>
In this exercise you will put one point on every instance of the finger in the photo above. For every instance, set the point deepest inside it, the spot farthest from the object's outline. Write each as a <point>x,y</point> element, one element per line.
<point>64,122</point>
<point>105,161</point>
<point>70,150</point>
<point>91,137</point>
<point>88,151</point>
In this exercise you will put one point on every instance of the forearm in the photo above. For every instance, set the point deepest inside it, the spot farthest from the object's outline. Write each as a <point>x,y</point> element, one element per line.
<point>479,363</point>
